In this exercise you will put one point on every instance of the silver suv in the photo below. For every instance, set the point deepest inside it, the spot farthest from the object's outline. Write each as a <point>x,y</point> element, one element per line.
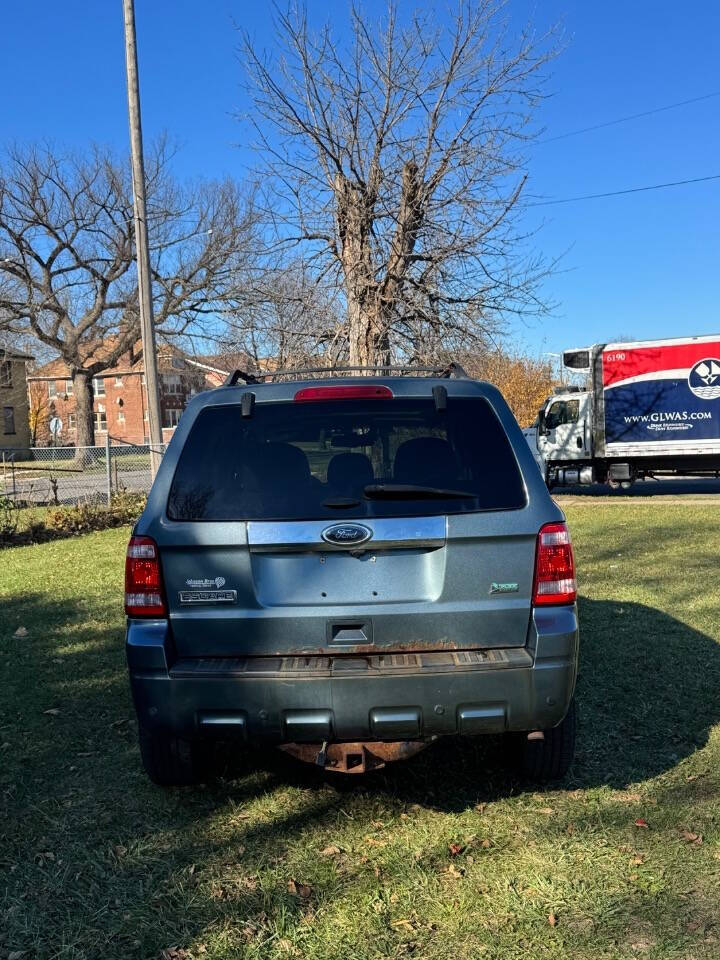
<point>349,567</point>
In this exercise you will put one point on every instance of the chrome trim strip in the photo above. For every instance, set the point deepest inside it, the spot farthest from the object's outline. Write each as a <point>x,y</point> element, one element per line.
<point>388,532</point>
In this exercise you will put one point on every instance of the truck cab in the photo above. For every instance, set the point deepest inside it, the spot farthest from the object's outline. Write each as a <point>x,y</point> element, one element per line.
<point>564,431</point>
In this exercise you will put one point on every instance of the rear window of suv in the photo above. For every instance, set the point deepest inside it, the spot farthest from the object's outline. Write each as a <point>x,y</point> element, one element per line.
<point>345,459</point>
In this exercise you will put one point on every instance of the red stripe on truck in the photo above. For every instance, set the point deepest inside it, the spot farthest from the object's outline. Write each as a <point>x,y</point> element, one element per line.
<point>623,362</point>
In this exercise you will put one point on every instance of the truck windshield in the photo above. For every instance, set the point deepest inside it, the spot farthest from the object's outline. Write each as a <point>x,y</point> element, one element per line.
<point>354,458</point>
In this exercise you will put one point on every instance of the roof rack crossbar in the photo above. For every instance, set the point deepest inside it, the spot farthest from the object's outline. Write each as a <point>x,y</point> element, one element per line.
<point>380,369</point>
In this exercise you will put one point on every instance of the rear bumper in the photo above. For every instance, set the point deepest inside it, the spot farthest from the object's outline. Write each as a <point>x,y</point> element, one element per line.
<point>380,697</point>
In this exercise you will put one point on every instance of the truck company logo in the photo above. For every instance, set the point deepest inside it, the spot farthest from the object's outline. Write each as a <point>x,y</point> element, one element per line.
<point>346,533</point>
<point>206,584</point>
<point>704,379</point>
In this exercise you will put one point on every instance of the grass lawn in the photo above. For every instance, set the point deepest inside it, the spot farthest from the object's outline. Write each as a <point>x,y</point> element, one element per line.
<point>95,862</point>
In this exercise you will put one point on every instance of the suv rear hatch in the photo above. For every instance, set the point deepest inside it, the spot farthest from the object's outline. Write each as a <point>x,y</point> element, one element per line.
<point>434,551</point>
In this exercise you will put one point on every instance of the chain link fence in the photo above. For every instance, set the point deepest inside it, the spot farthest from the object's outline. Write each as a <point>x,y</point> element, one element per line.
<point>41,476</point>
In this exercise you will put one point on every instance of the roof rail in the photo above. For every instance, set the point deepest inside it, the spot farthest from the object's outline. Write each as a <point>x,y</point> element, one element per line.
<point>380,369</point>
<point>232,378</point>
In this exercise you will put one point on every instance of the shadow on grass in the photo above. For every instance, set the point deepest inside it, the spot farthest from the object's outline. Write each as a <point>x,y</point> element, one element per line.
<point>648,694</point>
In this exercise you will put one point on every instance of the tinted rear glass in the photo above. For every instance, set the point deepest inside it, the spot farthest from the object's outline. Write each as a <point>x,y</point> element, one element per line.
<point>303,461</point>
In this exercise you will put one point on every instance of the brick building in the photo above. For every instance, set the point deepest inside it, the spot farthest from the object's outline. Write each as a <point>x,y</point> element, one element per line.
<point>120,397</point>
<point>14,410</point>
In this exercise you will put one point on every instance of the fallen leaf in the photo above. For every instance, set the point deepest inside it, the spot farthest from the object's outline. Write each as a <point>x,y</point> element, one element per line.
<point>636,861</point>
<point>690,837</point>
<point>174,953</point>
<point>546,810</point>
<point>301,890</point>
<point>642,823</point>
<point>456,849</point>
<point>643,945</point>
<point>374,842</point>
<point>331,851</point>
<point>21,632</point>
<point>552,920</point>
<point>53,712</point>
<point>453,872</point>
<point>119,850</point>
<point>403,923</point>
<point>486,844</point>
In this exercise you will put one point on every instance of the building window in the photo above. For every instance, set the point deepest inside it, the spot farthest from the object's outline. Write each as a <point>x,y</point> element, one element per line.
<point>171,418</point>
<point>172,383</point>
<point>52,388</point>
<point>118,381</point>
<point>99,386</point>
<point>8,420</point>
<point>6,373</point>
<point>145,415</point>
<point>101,420</point>
<point>71,421</point>
<point>68,388</point>
<point>121,416</point>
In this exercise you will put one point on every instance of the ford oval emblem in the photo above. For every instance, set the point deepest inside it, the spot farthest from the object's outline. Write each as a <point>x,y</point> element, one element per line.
<point>346,534</point>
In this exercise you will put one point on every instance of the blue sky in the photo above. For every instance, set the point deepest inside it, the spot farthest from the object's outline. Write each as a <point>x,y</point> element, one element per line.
<point>636,266</point>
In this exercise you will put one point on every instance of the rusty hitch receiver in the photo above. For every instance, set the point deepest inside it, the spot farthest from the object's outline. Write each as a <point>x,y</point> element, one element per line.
<point>360,757</point>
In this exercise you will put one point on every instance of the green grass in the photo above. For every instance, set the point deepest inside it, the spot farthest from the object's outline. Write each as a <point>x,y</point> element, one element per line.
<point>95,862</point>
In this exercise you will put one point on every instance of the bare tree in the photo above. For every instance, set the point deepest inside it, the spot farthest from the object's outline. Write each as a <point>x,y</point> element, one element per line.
<point>67,270</point>
<point>397,163</point>
<point>287,318</point>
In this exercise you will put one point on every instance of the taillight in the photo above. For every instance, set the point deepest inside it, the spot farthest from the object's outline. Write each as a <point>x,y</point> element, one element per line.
<point>344,392</point>
<point>144,595</point>
<point>554,566</point>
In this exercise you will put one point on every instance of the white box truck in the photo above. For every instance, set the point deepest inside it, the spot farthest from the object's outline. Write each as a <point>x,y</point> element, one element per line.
<point>649,408</point>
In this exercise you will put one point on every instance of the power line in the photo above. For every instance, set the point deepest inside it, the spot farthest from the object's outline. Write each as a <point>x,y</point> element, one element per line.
<point>618,193</point>
<point>632,116</point>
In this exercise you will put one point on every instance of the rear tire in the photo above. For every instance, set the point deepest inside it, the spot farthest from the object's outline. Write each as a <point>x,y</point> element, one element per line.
<point>169,761</point>
<point>550,758</point>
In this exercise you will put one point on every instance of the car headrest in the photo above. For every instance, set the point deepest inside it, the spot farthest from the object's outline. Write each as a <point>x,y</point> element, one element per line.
<point>282,464</point>
<point>350,471</point>
<point>426,460</point>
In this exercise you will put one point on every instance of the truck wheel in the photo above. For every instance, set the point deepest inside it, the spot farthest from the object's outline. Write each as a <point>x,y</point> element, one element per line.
<point>550,758</point>
<point>169,761</point>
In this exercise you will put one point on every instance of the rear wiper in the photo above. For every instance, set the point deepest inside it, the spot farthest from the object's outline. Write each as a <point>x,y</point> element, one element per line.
<point>408,491</point>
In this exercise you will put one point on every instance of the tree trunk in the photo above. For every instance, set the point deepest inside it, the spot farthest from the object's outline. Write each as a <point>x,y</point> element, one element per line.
<point>84,413</point>
<point>369,340</point>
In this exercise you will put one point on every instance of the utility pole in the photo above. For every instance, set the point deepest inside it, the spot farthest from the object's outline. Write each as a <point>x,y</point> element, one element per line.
<point>142,251</point>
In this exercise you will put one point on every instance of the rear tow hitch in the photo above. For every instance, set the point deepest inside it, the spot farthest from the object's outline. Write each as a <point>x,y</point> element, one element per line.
<point>360,757</point>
